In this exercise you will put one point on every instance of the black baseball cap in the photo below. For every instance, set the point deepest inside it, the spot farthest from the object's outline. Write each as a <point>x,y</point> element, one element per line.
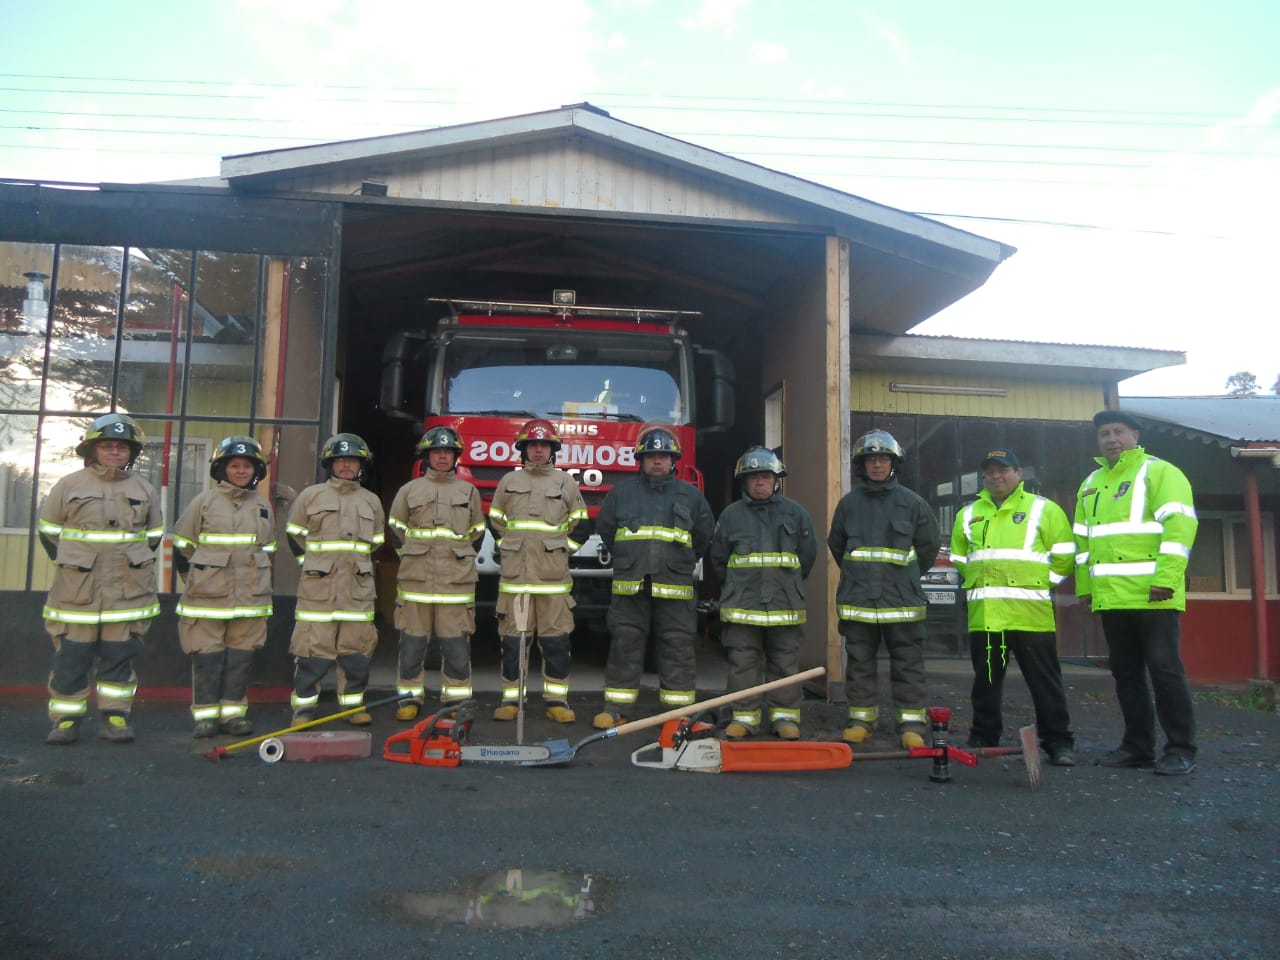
<point>1001,455</point>
<point>1116,416</point>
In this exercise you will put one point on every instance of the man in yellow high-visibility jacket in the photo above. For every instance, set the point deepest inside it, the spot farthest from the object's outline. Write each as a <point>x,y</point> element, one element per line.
<point>1012,548</point>
<point>1135,524</point>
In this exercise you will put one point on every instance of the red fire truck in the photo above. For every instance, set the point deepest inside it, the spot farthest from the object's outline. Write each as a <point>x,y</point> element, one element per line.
<point>598,373</point>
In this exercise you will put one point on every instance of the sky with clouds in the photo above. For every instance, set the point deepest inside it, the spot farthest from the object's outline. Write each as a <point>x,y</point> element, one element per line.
<point>1131,152</point>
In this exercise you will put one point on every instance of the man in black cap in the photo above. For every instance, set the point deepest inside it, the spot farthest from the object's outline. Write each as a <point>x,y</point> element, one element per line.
<point>1012,548</point>
<point>1135,523</point>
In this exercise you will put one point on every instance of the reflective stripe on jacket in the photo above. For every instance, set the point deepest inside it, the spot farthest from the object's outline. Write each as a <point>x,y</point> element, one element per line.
<point>227,535</point>
<point>539,520</point>
<point>762,550</point>
<point>884,537</point>
<point>1010,556</point>
<point>101,526</point>
<point>437,523</point>
<point>1135,524</point>
<point>656,528</point>
<point>334,527</point>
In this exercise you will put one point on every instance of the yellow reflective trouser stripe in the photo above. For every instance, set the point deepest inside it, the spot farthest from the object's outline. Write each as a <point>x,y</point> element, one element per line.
<point>68,708</point>
<point>338,546</point>
<point>232,710</point>
<point>660,591</point>
<point>94,536</point>
<point>228,539</point>
<point>623,695</point>
<point>349,700</point>
<point>677,698</point>
<point>205,713</point>
<point>118,691</point>
<point>542,589</point>
<point>412,597</point>
<point>554,688</point>
<point>333,616</point>
<point>785,560</point>
<point>763,618</point>
<point>899,558</point>
<point>784,713</point>
<point>665,534</point>
<point>222,613</point>
<point>101,616</point>
<point>538,525</point>
<point>296,701</point>
<point>456,692</point>
<point>864,714</point>
<point>911,716</point>
<point>669,591</point>
<point>432,533</point>
<point>749,718</point>
<point>848,611</point>
<point>404,690</point>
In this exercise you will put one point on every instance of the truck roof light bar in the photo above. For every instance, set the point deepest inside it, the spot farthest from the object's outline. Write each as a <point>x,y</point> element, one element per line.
<point>491,307</point>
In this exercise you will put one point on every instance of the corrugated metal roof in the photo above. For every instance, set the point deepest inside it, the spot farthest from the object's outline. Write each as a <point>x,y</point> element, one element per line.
<point>1224,420</point>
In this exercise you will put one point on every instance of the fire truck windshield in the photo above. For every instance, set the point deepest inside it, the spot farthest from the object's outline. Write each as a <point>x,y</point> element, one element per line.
<point>565,376</point>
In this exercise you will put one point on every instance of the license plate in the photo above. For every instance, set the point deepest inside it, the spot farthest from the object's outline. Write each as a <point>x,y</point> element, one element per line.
<point>944,597</point>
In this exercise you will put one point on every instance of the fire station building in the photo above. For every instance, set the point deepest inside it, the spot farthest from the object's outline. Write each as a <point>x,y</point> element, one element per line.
<point>261,302</point>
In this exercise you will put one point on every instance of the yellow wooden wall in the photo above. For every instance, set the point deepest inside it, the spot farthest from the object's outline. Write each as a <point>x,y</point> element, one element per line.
<point>1026,399</point>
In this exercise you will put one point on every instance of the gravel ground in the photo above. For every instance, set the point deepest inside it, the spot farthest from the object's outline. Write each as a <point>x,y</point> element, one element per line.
<point>150,850</point>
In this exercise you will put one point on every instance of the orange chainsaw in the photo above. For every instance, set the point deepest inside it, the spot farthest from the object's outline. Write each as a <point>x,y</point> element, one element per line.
<point>691,745</point>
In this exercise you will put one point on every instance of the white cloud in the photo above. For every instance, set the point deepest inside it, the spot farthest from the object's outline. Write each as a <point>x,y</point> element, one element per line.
<point>716,15</point>
<point>769,53</point>
<point>892,39</point>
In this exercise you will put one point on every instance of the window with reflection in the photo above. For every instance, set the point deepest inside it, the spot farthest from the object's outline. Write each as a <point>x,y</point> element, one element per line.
<point>153,347</point>
<point>82,336</point>
<point>25,273</point>
<point>225,320</point>
<point>17,486</point>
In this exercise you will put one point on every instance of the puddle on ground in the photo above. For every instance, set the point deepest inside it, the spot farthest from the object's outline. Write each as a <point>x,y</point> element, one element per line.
<point>506,900</point>
<point>239,866</point>
<point>53,778</point>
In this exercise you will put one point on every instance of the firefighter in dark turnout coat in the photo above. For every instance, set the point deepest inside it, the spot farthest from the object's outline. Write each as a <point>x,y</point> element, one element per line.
<point>657,527</point>
<point>763,549</point>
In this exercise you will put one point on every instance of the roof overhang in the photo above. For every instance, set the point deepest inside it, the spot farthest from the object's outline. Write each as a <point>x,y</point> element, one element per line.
<point>1007,358</point>
<point>904,267</point>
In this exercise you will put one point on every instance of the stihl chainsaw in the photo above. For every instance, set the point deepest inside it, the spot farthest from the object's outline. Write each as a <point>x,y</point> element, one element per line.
<point>686,744</point>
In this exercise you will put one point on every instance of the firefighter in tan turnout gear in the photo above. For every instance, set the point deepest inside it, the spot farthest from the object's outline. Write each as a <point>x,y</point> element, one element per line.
<point>437,523</point>
<point>100,526</point>
<point>539,520</point>
<point>223,546</point>
<point>334,528</point>
<point>657,527</point>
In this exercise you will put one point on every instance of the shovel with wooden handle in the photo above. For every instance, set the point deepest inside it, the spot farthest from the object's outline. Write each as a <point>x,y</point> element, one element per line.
<point>520,607</point>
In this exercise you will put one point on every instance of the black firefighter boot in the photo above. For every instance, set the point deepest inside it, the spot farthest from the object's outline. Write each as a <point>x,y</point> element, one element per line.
<point>235,688</point>
<point>555,677</point>
<point>206,691</point>
<point>413,651</point>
